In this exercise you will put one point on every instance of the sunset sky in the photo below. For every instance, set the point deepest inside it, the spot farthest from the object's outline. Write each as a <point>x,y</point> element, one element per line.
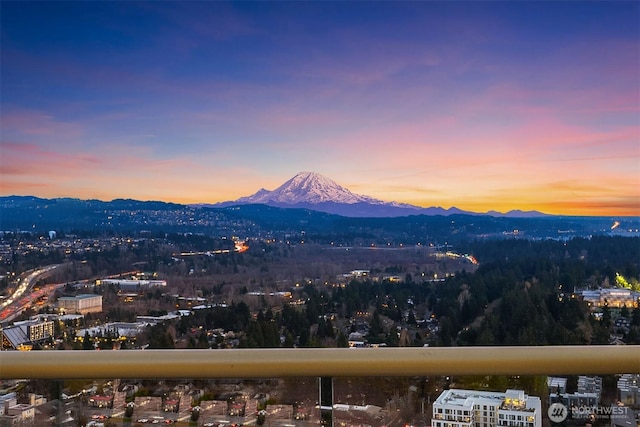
<point>479,105</point>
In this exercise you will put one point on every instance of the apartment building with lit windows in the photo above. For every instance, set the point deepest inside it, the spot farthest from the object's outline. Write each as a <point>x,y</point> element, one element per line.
<point>611,297</point>
<point>471,408</point>
<point>38,331</point>
<point>23,335</point>
<point>629,389</point>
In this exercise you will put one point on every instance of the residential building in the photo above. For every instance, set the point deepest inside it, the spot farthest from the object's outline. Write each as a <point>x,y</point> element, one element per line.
<point>356,274</point>
<point>37,399</point>
<point>117,329</point>
<point>587,394</point>
<point>38,331</point>
<point>99,401</point>
<point>15,414</point>
<point>629,389</point>
<point>23,335</point>
<point>611,297</point>
<point>171,405</point>
<point>556,385</point>
<point>574,400</point>
<point>590,385</point>
<point>472,408</point>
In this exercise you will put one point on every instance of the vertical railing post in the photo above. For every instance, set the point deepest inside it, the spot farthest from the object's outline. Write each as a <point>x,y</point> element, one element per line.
<point>326,401</point>
<point>60,415</point>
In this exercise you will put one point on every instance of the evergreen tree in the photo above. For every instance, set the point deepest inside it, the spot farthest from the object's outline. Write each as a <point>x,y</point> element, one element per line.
<point>87,342</point>
<point>342,341</point>
<point>375,327</point>
<point>412,318</point>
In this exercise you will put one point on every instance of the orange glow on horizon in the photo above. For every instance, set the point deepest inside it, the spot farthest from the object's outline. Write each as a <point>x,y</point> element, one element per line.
<point>593,206</point>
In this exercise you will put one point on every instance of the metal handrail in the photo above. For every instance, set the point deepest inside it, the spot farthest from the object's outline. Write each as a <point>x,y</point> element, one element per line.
<point>320,362</point>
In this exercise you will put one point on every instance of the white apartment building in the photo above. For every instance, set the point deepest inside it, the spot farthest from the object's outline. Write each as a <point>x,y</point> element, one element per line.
<point>471,408</point>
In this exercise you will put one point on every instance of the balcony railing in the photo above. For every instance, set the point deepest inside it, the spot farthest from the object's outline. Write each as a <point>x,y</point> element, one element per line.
<point>320,362</point>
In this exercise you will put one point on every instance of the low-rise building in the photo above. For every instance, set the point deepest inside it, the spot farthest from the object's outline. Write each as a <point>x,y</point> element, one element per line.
<point>23,335</point>
<point>588,392</point>
<point>590,384</point>
<point>81,304</point>
<point>611,297</point>
<point>574,400</point>
<point>556,385</point>
<point>236,409</point>
<point>472,408</point>
<point>24,412</point>
<point>171,405</point>
<point>99,401</point>
<point>13,413</point>
<point>133,284</point>
<point>356,274</point>
<point>629,389</point>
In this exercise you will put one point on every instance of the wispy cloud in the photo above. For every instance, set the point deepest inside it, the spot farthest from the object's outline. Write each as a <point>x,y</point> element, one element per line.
<point>28,122</point>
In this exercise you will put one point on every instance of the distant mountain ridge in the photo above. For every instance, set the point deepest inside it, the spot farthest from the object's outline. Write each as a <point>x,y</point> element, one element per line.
<point>311,190</point>
<point>155,218</point>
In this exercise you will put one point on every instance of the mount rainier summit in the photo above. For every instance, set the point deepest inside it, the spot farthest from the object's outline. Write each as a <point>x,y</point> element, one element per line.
<point>310,190</point>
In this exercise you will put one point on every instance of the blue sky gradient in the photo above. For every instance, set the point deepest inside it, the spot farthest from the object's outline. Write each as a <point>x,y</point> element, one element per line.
<point>479,105</point>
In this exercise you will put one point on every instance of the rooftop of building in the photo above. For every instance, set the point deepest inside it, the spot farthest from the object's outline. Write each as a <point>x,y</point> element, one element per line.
<point>556,383</point>
<point>510,399</point>
<point>81,296</point>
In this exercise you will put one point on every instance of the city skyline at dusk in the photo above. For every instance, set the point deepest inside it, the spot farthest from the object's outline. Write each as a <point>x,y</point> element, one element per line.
<point>478,105</point>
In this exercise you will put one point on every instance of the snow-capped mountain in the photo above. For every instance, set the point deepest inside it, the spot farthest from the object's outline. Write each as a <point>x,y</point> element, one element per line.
<point>308,187</point>
<point>310,190</point>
